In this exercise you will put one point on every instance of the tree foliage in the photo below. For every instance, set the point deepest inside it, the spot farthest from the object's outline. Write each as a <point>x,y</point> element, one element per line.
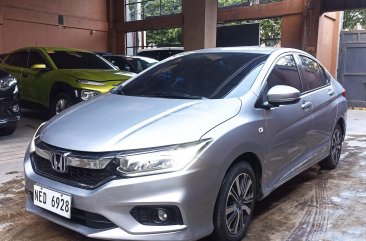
<point>270,29</point>
<point>352,18</point>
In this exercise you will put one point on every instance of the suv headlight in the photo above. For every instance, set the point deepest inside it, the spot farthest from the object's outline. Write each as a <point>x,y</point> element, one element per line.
<point>7,82</point>
<point>88,94</point>
<point>90,82</point>
<point>160,160</point>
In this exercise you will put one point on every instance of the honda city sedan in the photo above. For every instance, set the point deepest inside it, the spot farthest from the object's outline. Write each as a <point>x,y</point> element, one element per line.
<point>188,147</point>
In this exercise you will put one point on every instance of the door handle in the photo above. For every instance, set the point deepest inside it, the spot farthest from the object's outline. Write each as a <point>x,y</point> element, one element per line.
<point>306,105</point>
<point>331,91</point>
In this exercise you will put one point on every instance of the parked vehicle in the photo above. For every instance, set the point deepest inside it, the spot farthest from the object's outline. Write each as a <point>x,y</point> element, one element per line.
<point>2,56</point>
<point>187,147</point>
<point>9,104</point>
<point>160,53</point>
<point>56,78</point>
<point>135,64</point>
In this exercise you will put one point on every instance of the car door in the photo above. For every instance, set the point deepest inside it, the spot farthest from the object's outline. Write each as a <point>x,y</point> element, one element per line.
<point>288,126</point>
<point>324,101</point>
<point>36,81</point>
<point>14,65</point>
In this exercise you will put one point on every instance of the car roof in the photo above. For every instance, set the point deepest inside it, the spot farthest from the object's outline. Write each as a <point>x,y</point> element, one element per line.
<point>50,49</point>
<point>257,50</point>
<point>162,48</point>
<point>128,56</point>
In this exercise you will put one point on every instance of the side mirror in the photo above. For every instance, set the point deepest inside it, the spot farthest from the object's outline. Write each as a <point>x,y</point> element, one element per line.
<point>283,95</point>
<point>39,67</point>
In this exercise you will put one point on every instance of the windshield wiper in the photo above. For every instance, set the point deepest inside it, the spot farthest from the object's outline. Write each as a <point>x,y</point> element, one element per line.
<point>172,95</point>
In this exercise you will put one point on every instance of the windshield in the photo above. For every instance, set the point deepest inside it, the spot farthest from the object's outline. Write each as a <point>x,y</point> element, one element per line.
<point>141,63</point>
<point>194,76</point>
<point>78,60</point>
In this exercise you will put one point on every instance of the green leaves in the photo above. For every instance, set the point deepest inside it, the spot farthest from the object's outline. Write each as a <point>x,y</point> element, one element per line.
<point>352,18</point>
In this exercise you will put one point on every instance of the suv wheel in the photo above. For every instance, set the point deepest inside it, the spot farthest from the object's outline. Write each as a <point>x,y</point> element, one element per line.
<point>332,160</point>
<point>235,203</point>
<point>60,103</point>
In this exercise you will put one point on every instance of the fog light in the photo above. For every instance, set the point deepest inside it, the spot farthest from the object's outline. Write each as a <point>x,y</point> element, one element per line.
<point>157,215</point>
<point>88,94</point>
<point>15,108</point>
<point>162,215</point>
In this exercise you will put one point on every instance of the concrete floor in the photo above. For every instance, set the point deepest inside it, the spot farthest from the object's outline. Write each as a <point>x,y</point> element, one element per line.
<point>316,205</point>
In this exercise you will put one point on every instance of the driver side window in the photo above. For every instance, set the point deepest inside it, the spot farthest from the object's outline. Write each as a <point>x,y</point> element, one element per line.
<point>36,58</point>
<point>285,72</point>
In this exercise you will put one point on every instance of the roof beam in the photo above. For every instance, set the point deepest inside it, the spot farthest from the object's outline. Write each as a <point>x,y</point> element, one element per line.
<point>160,22</point>
<point>339,5</point>
<point>260,11</point>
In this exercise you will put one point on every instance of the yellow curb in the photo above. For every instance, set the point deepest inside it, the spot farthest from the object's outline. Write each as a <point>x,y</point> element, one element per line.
<point>357,108</point>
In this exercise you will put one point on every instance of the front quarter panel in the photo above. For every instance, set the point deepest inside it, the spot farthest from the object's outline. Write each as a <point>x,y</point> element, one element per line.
<point>244,133</point>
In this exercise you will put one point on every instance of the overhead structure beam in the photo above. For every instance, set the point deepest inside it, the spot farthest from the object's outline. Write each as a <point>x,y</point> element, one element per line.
<point>171,21</point>
<point>341,5</point>
<point>260,11</point>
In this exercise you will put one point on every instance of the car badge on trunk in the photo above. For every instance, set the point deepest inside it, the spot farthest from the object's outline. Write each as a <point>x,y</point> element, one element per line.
<point>59,162</point>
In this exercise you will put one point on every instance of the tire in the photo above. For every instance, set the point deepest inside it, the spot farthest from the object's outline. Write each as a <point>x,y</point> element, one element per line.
<point>331,161</point>
<point>60,103</point>
<point>7,131</point>
<point>234,210</point>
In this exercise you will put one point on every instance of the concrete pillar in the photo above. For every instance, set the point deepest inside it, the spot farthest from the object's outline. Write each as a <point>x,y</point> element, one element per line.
<point>292,31</point>
<point>312,14</point>
<point>116,38</point>
<point>199,24</point>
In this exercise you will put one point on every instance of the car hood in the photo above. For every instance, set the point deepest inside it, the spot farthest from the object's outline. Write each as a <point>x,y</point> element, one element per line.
<point>98,75</point>
<point>116,123</point>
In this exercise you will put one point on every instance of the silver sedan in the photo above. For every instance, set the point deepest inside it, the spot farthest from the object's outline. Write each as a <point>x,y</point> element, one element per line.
<point>186,148</point>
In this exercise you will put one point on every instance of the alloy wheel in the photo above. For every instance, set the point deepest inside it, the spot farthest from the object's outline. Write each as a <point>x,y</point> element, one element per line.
<point>61,105</point>
<point>238,204</point>
<point>336,147</point>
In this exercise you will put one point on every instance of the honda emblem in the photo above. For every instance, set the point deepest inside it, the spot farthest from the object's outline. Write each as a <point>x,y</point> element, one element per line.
<point>59,162</point>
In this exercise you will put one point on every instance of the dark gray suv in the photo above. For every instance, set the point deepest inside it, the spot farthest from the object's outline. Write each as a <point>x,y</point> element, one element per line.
<point>188,146</point>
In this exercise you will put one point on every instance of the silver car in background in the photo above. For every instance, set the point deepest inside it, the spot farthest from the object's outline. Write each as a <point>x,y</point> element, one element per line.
<point>187,147</point>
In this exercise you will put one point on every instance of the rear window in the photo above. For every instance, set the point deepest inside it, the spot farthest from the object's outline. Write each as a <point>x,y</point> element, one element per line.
<point>78,60</point>
<point>197,75</point>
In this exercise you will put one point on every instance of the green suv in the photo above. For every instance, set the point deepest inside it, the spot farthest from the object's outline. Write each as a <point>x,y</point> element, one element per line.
<point>56,78</point>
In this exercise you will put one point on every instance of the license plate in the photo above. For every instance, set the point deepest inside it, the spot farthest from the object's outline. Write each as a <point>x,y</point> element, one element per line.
<point>53,201</point>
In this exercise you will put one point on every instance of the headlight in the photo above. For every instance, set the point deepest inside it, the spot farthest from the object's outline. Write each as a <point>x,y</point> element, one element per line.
<point>32,146</point>
<point>6,83</point>
<point>159,160</point>
<point>88,94</point>
<point>90,82</point>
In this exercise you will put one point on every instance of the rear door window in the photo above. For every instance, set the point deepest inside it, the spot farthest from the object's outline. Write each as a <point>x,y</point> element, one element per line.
<point>314,75</point>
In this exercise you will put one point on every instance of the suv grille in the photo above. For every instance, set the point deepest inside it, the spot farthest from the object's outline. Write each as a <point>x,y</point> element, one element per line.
<point>76,176</point>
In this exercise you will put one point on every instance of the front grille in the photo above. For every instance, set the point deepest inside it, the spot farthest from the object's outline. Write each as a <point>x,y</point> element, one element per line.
<point>91,220</point>
<point>5,107</point>
<point>76,176</point>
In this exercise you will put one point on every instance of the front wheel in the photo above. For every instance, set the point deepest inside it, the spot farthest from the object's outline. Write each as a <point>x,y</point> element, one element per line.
<point>60,103</point>
<point>332,160</point>
<point>235,203</point>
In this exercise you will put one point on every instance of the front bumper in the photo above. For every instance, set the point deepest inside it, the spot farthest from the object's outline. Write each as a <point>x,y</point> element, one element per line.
<point>9,117</point>
<point>192,191</point>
